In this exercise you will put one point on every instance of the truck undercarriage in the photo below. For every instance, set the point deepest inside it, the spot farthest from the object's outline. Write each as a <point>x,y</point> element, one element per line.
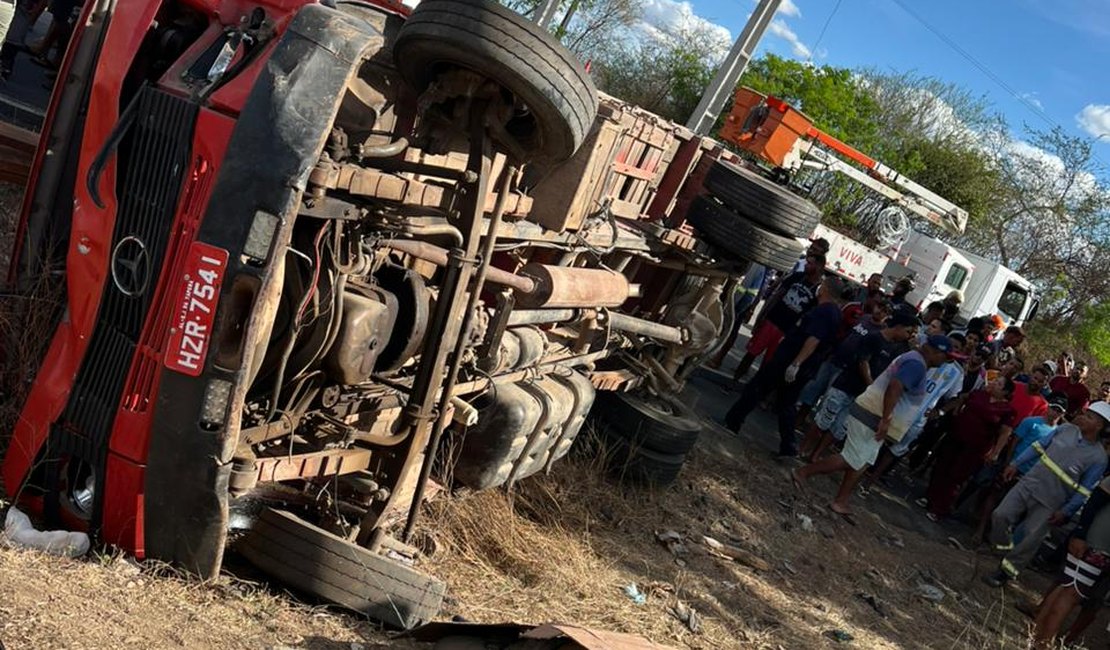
<point>318,255</point>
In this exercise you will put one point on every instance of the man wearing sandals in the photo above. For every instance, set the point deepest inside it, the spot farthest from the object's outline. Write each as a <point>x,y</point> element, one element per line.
<point>885,410</point>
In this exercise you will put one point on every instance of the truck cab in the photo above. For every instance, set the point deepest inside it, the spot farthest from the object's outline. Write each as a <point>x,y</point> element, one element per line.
<point>995,289</point>
<point>938,267</point>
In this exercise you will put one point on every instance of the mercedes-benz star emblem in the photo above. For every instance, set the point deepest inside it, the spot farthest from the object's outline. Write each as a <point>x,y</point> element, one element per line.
<point>131,266</point>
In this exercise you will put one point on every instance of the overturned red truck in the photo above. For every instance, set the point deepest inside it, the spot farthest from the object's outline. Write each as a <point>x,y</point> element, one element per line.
<point>307,248</point>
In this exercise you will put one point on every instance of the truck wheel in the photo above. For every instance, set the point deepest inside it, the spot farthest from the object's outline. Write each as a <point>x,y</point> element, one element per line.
<point>761,200</point>
<point>318,563</point>
<point>500,44</point>
<point>737,237</point>
<point>655,424</point>
<point>637,465</point>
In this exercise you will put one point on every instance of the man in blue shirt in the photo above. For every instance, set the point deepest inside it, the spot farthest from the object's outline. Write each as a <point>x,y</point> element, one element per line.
<point>886,409</point>
<point>1039,429</point>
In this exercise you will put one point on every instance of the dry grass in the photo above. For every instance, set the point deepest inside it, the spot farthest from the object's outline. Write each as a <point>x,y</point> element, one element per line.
<point>562,547</point>
<point>46,602</point>
<point>24,320</point>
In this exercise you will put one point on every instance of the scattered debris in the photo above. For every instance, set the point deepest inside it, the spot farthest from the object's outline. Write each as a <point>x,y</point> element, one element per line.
<point>673,541</point>
<point>807,523</point>
<point>680,562</point>
<point>659,588</point>
<point>688,615</point>
<point>789,567</point>
<point>20,533</point>
<point>874,574</point>
<point>633,592</point>
<point>893,540</point>
<point>730,552</point>
<point>874,602</point>
<point>930,592</point>
<point>712,543</point>
<point>955,543</point>
<point>840,636</point>
<point>400,557</point>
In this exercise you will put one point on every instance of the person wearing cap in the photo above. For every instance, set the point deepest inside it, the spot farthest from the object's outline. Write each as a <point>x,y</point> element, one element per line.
<point>818,247</point>
<point>1067,467</point>
<point>942,394</point>
<point>885,410</point>
<point>794,363</point>
<point>979,432</point>
<point>860,364</point>
<point>1034,429</point>
<point>1072,386</point>
<point>791,299</point>
<point>975,378</point>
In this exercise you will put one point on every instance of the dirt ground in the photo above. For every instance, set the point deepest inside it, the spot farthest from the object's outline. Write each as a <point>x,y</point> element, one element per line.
<point>565,547</point>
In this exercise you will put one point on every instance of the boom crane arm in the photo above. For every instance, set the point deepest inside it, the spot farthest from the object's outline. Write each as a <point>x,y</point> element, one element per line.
<point>784,137</point>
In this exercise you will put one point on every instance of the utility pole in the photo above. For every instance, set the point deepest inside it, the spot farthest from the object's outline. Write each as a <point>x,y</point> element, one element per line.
<point>724,83</point>
<point>545,13</point>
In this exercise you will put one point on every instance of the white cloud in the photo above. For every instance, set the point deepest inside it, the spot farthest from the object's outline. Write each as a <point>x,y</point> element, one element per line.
<point>1032,99</point>
<point>665,19</point>
<point>1094,119</point>
<point>782,30</point>
<point>788,8</point>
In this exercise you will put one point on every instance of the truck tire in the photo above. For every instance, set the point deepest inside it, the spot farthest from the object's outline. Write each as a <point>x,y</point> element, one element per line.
<point>738,237</point>
<point>654,424</point>
<point>761,200</point>
<point>316,562</point>
<point>637,465</point>
<point>500,44</point>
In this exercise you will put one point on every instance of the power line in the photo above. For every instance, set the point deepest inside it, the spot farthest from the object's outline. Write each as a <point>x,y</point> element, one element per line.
<point>980,66</point>
<point>826,26</point>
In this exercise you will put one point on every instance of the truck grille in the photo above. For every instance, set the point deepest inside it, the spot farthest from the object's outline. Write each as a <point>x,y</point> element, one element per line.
<point>154,161</point>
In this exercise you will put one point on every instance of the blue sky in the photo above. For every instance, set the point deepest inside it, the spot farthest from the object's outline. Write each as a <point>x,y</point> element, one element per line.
<point>1054,53</point>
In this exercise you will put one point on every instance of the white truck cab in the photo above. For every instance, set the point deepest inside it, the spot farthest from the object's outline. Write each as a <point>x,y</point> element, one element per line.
<point>995,289</point>
<point>938,268</point>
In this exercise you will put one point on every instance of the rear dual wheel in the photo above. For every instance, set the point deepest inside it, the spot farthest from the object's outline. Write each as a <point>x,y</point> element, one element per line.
<point>645,438</point>
<point>739,238</point>
<point>762,201</point>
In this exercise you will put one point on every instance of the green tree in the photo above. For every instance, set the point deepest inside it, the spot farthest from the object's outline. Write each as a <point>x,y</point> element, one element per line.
<point>665,74</point>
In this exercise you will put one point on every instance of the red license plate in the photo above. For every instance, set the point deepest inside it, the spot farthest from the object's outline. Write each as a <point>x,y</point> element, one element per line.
<point>191,329</point>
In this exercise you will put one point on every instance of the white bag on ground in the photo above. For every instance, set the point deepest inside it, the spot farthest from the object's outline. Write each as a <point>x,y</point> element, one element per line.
<point>19,532</point>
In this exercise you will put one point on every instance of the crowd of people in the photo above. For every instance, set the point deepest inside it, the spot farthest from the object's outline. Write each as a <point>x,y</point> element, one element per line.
<point>860,380</point>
